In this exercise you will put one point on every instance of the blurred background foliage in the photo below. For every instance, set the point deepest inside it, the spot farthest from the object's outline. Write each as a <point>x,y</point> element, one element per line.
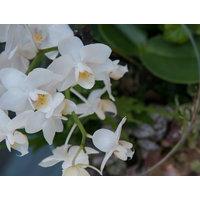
<point>156,95</point>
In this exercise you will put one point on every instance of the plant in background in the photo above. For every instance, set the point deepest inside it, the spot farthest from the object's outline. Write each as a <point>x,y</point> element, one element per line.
<point>41,99</point>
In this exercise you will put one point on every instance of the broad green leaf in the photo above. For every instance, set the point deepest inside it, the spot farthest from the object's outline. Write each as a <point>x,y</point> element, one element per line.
<point>175,33</point>
<point>171,62</point>
<point>123,39</point>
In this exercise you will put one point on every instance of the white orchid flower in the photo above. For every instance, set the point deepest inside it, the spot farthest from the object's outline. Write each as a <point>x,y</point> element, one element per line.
<point>66,154</point>
<point>110,143</point>
<point>8,132</point>
<point>110,69</point>
<point>18,41</point>
<point>48,35</point>
<point>94,104</point>
<point>49,115</point>
<point>23,89</point>
<point>76,61</point>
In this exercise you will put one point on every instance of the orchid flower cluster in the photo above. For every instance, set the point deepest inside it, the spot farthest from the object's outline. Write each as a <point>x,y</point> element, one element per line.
<point>37,97</point>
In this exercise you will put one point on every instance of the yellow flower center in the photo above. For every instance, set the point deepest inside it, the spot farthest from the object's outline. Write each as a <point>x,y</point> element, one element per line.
<point>41,101</point>
<point>37,37</point>
<point>84,75</point>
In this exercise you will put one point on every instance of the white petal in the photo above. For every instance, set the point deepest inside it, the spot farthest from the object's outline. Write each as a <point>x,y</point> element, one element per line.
<point>71,46</point>
<point>19,121</point>
<point>82,157</point>
<point>75,171</point>
<point>119,128</point>
<point>106,158</point>
<point>108,106</point>
<point>121,153</point>
<point>49,161</point>
<point>100,113</point>
<point>14,100</point>
<point>126,144</point>
<point>55,33</point>
<point>35,122</point>
<point>118,73</point>
<point>11,77</point>
<point>68,82</point>
<point>95,53</point>
<point>95,94</point>
<point>61,152</point>
<point>40,77</point>
<point>8,145</point>
<point>91,150</point>
<point>70,107</point>
<point>20,138</point>
<point>108,87</point>
<point>49,130</point>
<point>20,143</point>
<point>62,65</point>
<point>2,89</point>
<point>104,140</point>
<point>84,108</point>
<point>58,32</point>
<point>84,76</point>
<point>58,125</point>
<point>4,119</point>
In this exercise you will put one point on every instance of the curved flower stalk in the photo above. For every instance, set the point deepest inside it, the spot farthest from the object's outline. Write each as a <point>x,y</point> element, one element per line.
<point>8,132</point>
<point>94,104</point>
<point>40,97</point>
<point>110,143</point>
<point>73,164</point>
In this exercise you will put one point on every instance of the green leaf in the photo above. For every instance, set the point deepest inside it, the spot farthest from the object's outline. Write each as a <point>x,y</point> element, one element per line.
<point>123,39</point>
<point>171,62</point>
<point>175,33</point>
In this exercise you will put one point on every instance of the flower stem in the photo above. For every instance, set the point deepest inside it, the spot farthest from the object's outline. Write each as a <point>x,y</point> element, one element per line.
<point>84,135</point>
<point>81,128</point>
<point>39,57</point>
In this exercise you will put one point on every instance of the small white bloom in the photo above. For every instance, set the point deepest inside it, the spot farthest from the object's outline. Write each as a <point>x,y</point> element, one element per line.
<point>18,41</point>
<point>108,142</point>
<point>14,139</point>
<point>95,104</point>
<point>48,116</point>
<point>48,35</point>
<point>20,87</point>
<point>110,69</point>
<point>66,154</point>
<point>76,61</point>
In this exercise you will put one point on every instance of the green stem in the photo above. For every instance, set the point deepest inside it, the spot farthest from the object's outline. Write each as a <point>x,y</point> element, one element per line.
<point>81,128</point>
<point>39,57</point>
<point>67,94</point>
<point>84,135</point>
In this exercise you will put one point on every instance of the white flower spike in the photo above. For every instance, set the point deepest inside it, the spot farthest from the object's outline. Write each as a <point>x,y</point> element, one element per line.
<point>108,142</point>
